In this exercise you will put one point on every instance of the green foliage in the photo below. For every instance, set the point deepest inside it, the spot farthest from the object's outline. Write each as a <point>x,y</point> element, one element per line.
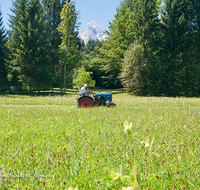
<point>83,77</point>
<point>133,176</point>
<point>90,54</point>
<point>3,51</point>
<point>29,44</point>
<point>147,32</point>
<point>134,20</point>
<point>119,39</point>
<point>52,9</point>
<point>175,63</point>
<point>134,69</point>
<point>68,28</point>
<point>127,4</point>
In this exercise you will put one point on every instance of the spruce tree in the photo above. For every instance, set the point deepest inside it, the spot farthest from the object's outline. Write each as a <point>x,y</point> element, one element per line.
<point>29,42</point>
<point>175,47</point>
<point>194,69</point>
<point>120,36</point>
<point>147,27</point>
<point>17,20</point>
<point>3,69</point>
<point>52,9</point>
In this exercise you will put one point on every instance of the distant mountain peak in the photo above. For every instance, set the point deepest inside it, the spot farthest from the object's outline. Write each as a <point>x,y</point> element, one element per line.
<point>92,31</point>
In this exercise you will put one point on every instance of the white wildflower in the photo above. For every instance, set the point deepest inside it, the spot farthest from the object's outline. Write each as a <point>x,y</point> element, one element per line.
<point>127,126</point>
<point>127,188</point>
<point>145,144</point>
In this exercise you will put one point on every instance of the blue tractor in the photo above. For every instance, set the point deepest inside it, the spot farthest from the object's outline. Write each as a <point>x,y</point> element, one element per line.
<point>99,99</point>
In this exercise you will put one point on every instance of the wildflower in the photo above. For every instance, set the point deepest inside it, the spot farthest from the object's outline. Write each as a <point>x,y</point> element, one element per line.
<point>65,146</point>
<point>87,157</point>
<point>35,153</point>
<point>75,177</point>
<point>33,150</point>
<point>115,175</point>
<point>127,126</point>
<point>127,188</point>
<point>25,149</point>
<point>145,144</point>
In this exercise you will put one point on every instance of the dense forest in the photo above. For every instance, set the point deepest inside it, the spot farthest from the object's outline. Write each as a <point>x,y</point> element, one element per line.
<point>152,48</point>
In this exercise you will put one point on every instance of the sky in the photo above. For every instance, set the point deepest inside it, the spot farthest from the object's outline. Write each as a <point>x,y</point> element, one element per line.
<point>101,11</point>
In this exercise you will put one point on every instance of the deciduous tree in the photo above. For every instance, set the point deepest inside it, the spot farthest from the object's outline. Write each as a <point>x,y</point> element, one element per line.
<point>134,69</point>
<point>68,28</point>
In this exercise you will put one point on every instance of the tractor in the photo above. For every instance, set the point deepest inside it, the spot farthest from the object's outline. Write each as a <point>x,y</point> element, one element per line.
<point>99,99</point>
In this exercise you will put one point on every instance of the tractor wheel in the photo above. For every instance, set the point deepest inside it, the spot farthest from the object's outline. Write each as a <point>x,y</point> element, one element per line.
<point>85,102</point>
<point>111,105</point>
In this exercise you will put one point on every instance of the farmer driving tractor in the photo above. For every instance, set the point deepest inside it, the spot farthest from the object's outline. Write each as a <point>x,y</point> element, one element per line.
<point>85,92</point>
<point>99,99</point>
<point>83,89</point>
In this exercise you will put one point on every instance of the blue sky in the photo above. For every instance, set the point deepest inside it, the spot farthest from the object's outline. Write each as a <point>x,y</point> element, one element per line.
<point>101,11</point>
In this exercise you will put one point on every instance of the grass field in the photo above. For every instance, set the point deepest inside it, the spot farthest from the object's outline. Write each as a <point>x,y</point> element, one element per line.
<point>48,143</point>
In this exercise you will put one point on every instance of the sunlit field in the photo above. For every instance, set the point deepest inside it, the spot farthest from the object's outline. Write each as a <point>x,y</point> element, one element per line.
<point>143,143</point>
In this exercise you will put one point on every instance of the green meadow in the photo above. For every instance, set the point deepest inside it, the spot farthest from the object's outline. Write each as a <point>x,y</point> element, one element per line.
<point>49,143</point>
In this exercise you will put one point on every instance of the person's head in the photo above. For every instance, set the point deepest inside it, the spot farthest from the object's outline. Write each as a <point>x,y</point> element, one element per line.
<point>85,86</point>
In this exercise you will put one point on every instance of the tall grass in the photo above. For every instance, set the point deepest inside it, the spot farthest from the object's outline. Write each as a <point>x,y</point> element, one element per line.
<point>46,142</point>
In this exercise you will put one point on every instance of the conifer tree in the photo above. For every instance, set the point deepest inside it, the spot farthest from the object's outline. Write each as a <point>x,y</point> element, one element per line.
<point>175,47</point>
<point>17,20</point>
<point>3,70</point>
<point>52,9</point>
<point>134,20</point>
<point>29,40</point>
<point>120,36</point>
<point>194,56</point>
<point>147,27</point>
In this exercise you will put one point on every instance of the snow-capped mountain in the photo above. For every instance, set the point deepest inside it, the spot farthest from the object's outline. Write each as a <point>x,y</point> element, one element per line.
<point>93,31</point>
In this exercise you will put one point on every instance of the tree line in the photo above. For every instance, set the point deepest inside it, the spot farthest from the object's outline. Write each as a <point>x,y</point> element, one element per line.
<point>43,38</point>
<point>152,48</point>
